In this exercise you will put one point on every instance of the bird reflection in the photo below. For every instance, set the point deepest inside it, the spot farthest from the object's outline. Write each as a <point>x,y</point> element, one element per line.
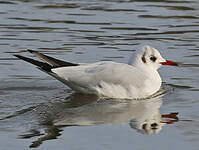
<point>86,110</point>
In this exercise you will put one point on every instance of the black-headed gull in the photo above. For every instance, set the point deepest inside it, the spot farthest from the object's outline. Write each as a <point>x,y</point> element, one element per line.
<point>135,80</point>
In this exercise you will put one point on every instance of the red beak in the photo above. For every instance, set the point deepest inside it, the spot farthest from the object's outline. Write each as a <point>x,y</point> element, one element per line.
<point>169,63</point>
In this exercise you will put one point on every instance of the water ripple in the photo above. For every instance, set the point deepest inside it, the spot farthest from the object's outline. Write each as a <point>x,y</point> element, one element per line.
<point>129,28</point>
<point>58,6</point>
<point>163,1</point>
<point>168,17</point>
<point>6,2</point>
<point>179,8</point>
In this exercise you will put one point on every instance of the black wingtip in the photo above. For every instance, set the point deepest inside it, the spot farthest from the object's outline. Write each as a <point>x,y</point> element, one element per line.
<point>18,56</point>
<point>31,51</point>
<point>41,65</point>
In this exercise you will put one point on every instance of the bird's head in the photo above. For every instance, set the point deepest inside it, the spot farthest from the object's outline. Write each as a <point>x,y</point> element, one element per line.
<point>150,57</point>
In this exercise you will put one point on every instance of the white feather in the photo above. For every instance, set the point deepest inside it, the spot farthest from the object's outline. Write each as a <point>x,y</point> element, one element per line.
<point>116,80</point>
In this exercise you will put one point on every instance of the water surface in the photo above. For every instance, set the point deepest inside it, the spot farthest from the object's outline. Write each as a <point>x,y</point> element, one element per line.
<point>38,111</point>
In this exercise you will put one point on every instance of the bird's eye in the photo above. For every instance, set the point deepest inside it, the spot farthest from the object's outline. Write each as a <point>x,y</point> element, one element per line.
<point>153,58</point>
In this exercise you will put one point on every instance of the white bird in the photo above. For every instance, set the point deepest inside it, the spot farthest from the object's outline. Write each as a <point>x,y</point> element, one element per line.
<point>136,80</point>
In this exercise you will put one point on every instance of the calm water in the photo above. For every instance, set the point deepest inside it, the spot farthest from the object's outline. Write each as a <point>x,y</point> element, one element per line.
<point>38,111</point>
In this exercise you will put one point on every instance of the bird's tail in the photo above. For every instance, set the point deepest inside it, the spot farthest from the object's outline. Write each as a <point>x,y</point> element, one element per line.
<point>52,61</point>
<point>49,62</point>
<point>41,65</point>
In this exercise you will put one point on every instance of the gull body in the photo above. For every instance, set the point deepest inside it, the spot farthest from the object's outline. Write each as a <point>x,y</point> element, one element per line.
<point>111,79</point>
<point>135,80</point>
